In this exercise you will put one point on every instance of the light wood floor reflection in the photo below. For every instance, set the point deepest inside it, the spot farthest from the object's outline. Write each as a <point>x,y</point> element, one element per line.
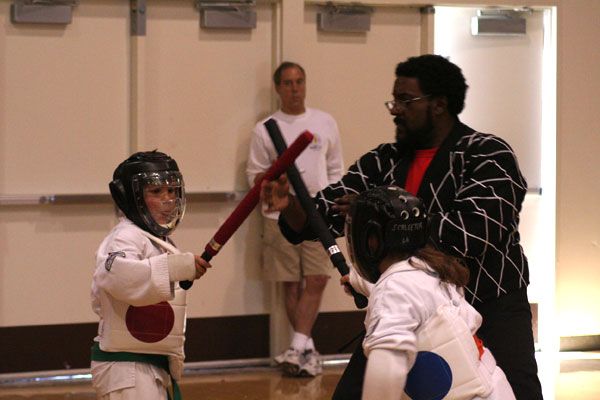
<point>259,384</point>
<point>573,380</point>
<point>265,385</point>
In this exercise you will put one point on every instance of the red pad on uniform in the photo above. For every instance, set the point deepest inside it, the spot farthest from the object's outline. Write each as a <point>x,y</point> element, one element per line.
<point>150,324</point>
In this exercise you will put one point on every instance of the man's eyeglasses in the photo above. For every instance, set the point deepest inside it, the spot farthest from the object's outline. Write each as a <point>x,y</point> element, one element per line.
<point>404,103</point>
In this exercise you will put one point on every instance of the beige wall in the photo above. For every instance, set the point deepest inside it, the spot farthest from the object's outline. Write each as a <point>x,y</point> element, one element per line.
<point>578,168</point>
<point>75,99</point>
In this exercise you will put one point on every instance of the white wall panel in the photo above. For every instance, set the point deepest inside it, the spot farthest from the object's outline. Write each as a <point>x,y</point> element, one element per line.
<point>63,100</point>
<point>47,261</point>
<point>204,91</point>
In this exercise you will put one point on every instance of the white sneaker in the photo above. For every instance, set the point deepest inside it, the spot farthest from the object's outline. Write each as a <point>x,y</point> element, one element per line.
<point>312,364</point>
<point>289,361</point>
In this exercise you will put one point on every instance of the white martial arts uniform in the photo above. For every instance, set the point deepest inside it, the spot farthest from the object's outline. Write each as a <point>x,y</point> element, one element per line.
<point>401,304</point>
<point>135,270</point>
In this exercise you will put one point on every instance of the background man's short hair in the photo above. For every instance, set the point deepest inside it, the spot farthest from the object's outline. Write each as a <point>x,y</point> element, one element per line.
<point>282,67</point>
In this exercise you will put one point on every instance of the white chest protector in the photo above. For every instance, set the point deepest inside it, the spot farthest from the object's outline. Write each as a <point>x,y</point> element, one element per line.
<point>154,329</point>
<point>446,336</point>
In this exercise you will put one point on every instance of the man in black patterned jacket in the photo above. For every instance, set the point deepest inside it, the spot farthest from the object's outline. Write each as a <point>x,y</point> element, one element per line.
<point>474,190</point>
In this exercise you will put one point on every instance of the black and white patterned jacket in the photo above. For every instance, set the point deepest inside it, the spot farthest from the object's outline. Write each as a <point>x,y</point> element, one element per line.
<point>474,191</point>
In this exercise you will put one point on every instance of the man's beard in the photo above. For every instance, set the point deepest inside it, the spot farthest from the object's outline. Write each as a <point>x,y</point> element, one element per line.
<point>415,139</point>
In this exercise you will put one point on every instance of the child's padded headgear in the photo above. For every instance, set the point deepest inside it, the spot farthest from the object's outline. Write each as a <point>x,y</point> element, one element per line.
<point>128,183</point>
<point>382,220</point>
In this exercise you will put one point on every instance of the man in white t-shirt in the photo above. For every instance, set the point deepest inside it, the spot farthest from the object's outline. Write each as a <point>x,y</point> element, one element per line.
<point>304,268</point>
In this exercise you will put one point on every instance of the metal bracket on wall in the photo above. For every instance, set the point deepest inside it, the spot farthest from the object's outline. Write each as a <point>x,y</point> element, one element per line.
<point>500,21</point>
<point>138,17</point>
<point>42,11</point>
<point>233,14</point>
<point>427,10</point>
<point>354,17</point>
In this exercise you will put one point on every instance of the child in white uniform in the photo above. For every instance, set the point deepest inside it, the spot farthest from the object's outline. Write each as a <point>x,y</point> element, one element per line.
<point>138,353</point>
<point>419,341</point>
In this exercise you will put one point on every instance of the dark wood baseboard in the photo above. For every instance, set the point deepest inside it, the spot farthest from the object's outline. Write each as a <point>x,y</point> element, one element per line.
<point>45,347</point>
<point>61,347</point>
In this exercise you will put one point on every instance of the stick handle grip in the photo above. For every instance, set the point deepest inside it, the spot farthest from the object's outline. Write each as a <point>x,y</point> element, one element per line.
<point>188,284</point>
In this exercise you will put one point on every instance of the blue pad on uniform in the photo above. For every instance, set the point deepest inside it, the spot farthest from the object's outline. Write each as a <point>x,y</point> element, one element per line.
<point>430,378</point>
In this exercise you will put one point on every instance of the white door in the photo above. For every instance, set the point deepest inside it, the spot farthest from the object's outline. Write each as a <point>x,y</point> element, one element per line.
<point>508,96</point>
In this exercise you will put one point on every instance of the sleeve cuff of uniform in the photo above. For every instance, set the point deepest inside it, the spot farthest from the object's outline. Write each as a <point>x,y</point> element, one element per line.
<point>160,275</point>
<point>385,375</point>
<point>181,267</point>
<point>359,284</point>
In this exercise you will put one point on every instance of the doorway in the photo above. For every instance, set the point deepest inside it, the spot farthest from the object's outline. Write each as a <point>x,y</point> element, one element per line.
<point>512,93</point>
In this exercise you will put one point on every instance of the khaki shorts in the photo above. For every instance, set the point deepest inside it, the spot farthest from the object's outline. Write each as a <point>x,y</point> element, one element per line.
<point>285,262</point>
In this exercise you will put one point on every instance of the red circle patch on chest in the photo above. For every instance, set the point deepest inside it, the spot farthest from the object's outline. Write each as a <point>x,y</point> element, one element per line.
<point>150,324</point>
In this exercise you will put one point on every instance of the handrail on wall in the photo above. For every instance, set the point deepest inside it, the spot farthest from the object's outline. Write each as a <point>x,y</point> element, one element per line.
<point>23,200</point>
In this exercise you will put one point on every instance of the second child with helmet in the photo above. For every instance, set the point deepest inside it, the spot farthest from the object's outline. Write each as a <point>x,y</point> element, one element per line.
<point>420,332</point>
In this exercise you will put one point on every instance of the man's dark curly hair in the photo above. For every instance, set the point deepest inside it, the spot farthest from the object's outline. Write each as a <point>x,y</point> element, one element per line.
<point>437,77</point>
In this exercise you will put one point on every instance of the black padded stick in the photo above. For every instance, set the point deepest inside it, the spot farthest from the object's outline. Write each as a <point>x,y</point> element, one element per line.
<point>314,218</point>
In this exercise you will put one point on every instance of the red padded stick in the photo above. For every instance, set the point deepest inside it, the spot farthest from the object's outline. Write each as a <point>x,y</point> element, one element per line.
<point>251,198</point>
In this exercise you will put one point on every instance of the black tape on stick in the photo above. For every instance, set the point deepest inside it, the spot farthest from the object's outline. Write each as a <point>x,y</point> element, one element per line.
<point>314,218</point>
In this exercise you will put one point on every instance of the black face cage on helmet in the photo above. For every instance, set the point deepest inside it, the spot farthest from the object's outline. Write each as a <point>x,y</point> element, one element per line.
<point>382,220</point>
<point>127,188</point>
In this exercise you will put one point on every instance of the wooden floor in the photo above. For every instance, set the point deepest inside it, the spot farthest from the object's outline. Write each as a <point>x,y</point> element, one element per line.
<point>575,379</point>
<point>254,384</point>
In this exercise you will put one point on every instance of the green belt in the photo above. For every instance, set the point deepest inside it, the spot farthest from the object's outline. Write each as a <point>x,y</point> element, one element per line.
<point>157,360</point>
